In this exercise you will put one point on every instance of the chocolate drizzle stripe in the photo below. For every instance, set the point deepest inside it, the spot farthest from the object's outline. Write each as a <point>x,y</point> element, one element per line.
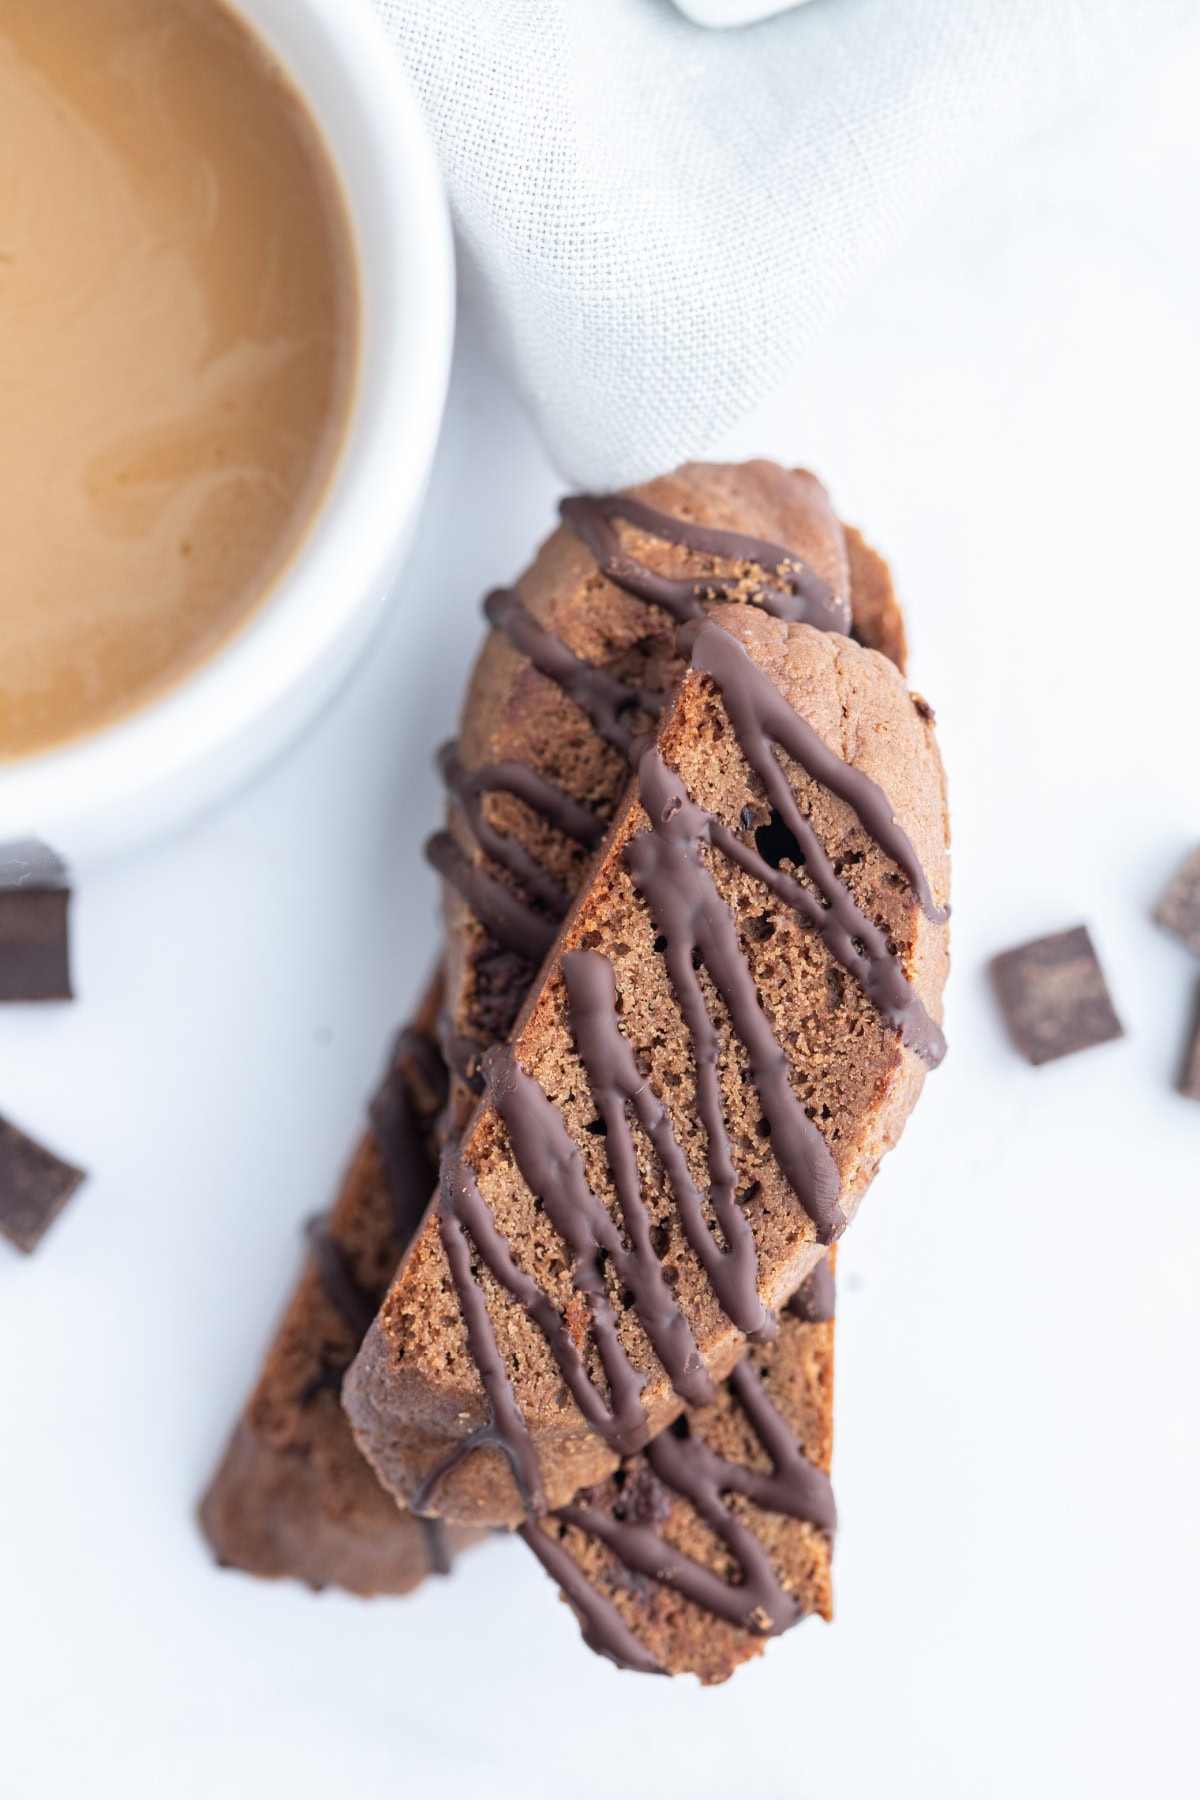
<point>688,912</point>
<point>505,1428</point>
<point>758,1602</point>
<point>604,1630</point>
<point>616,1081</point>
<point>796,1486</point>
<point>553,803</point>
<point>800,594</point>
<point>469,790</point>
<point>697,927</point>
<point>411,1178</point>
<point>356,1306</point>
<point>762,717</point>
<point>813,1301</point>
<point>843,928</point>
<point>464,1055</point>
<point>421,1049</point>
<point>688,1468</point>
<point>602,696</point>
<point>437,1546</point>
<point>509,919</point>
<point>552,1168</point>
<point>401,1138</point>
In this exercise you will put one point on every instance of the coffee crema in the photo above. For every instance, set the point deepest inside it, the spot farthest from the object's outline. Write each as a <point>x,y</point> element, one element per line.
<point>178,335</point>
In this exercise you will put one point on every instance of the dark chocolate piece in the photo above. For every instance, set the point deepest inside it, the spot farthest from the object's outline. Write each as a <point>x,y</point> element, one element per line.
<point>35,898</point>
<point>35,1185</point>
<point>1054,996</point>
<point>1189,1085</point>
<point>1179,908</point>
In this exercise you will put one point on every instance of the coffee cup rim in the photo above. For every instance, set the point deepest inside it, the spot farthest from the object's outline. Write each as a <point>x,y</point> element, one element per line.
<point>181,751</point>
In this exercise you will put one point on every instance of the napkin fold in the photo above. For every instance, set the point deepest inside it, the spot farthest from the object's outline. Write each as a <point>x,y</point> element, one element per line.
<point>655,220</point>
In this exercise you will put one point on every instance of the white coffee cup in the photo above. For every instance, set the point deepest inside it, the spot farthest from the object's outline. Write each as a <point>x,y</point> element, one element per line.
<point>181,752</point>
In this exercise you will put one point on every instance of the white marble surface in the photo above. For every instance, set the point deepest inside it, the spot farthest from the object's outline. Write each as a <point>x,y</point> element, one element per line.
<point>1012,408</point>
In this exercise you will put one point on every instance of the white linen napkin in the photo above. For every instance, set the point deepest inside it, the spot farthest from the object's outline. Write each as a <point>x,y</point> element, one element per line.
<point>657,219</point>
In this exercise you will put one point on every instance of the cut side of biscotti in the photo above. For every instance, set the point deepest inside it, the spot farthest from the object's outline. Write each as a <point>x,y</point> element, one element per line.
<point>727,1035</point>
<point>719,1535</point>
<point>293,1496</point>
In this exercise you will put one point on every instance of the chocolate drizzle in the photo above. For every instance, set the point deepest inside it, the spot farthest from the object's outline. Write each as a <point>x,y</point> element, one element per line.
<point>505,1428</point>
<point>422,1050</point>
<point>464,1055</point>
<point>604,1630</point>
<point>604,697</point>
<point>813,1301</point>
<point>403,1145</point>
<point>688,912</point>
<point>437,1546</point>
<point>509,919</point>
<point>554,805</point>
<point>617,1080</point>
<point>356,1306</point>
<point>411,1174</point>
<point>762,718</point>
<point>689,1470</point>
<point>799,594</point>
<point>401,1137</point>
<point>670,867</point>
<point>695,928</point>
<point>552,1168</point>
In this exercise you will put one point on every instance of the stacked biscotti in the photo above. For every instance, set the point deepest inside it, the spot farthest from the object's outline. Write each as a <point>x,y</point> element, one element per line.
<point>695,870</point>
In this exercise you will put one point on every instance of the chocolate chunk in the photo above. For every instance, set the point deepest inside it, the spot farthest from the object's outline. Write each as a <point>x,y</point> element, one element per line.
<point>1179,908</point>
<point>34,945</point>
<point>35,1185</point>
<point>1054,996</point>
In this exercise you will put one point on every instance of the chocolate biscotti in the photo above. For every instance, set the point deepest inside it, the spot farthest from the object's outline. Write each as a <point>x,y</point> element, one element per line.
<point>269,1511</point>
<point>717,1536</point>
<point>581,654</point>
<point>729,1032</point>
<point>293,1496</point>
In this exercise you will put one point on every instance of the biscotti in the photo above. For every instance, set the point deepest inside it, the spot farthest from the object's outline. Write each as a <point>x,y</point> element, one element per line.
<point>293,1496</point>
<point>754,969</point>
<point>578,661</point>
<point>717,1536</point>
<point>269,1509</point>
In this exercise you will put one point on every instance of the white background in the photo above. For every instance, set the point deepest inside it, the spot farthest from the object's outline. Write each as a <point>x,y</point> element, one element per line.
<point>1011,409</point>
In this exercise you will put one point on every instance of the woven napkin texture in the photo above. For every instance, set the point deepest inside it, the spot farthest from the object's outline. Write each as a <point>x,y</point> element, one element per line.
<point>655,220</point>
